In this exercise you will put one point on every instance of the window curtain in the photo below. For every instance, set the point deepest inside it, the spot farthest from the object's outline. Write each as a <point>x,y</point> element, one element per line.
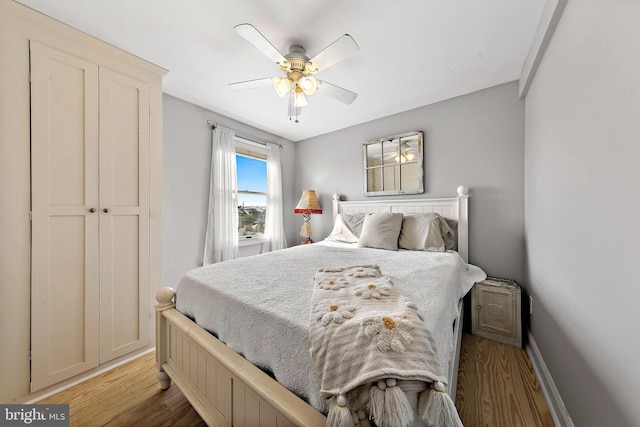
<point>221,242</point>
<point>274,221</point>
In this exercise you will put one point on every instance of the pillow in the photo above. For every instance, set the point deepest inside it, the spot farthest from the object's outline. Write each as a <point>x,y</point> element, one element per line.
<point>381,231</point>
<point>342,232</point>
<point>354,222</point>
<point>422,232</point>
<point>449,228</point>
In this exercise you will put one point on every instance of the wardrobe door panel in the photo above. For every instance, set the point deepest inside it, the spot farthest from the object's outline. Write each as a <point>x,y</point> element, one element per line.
<point>124,225</point>
<point>64,257</point>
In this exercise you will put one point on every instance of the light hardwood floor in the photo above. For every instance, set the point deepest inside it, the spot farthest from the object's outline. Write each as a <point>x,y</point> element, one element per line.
<point>496,387</point>
<point>128,395</point>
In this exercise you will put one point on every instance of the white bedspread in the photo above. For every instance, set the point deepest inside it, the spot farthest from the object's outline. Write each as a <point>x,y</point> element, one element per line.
<point>259,306</point>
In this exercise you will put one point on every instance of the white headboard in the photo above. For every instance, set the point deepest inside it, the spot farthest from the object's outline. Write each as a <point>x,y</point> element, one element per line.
<point>453,207</point>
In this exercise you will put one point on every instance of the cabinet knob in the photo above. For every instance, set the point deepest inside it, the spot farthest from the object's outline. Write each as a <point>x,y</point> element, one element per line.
<point>92,210</point>
<point>105,210</point>
<point>478,307</point>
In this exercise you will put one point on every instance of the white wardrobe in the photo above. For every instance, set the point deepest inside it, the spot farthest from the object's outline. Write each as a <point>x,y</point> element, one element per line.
<point>95,198</point>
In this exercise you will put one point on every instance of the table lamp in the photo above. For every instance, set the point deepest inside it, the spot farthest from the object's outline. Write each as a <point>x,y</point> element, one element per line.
<point>307,205</point>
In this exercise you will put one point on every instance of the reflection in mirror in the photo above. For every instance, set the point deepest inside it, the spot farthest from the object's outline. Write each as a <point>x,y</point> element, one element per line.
<point>394,165</point>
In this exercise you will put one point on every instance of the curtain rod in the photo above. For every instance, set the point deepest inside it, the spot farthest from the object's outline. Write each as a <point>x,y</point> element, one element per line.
<point>246,135</point>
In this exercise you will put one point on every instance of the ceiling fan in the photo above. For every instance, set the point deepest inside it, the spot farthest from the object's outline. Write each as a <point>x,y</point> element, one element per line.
<point>395,150</point>
<point>299,81</point>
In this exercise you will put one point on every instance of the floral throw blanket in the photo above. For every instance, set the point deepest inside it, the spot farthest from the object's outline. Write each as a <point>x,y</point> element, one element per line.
<point>369,345</point>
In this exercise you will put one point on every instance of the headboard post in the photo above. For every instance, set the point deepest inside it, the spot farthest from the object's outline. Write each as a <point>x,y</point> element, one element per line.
<point>463,222</point>
<point>336,206</point>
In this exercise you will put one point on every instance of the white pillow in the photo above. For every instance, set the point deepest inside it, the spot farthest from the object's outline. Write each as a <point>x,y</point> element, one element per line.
<point>381,231</point>
<point>341,232</point>
<point>421,232</point>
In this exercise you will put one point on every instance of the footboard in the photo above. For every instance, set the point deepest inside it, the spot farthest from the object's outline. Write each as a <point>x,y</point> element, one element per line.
<point>222,386</point>
<point>454,363</point>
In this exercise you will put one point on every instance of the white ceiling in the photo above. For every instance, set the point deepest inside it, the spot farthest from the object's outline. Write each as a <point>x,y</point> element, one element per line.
<point>412,52</point>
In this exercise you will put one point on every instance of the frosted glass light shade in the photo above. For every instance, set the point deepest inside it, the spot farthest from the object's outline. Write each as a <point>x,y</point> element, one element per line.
<point>308,85</point>
<point>300,100</point>
<point>282,86</point>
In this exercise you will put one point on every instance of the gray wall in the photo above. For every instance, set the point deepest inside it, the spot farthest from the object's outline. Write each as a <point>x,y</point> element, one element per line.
<point>476,140</point>
<point>187,161</point>
<point>582,146</point>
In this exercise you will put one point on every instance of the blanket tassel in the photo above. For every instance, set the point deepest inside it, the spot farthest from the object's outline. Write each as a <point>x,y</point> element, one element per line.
<point>361,420</point>
<point>437,408</point>
<point>376,401</point>
<point>389,406</point>
<point>339,413</point>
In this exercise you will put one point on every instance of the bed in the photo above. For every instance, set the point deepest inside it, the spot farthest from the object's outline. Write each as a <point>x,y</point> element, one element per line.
<point>226,362</point>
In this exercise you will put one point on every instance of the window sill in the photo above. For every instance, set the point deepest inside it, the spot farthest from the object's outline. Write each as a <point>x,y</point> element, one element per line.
<point>255,239</point>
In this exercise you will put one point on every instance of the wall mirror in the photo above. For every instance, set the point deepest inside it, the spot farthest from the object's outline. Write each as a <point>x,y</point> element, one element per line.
<point>394,165</point>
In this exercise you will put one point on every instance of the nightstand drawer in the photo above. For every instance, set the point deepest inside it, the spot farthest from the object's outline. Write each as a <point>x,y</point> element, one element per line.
<point>496,314</point>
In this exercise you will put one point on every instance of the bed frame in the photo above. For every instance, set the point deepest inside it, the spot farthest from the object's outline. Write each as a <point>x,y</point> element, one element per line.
<point>226,389</point>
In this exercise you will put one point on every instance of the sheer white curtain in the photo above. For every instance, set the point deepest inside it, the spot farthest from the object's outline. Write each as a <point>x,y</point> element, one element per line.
<point>274,221</point>
<point>221,242</point>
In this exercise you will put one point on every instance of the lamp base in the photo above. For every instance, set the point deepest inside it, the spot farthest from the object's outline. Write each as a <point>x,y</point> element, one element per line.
<point>305,232</point>
<point>307,241</point>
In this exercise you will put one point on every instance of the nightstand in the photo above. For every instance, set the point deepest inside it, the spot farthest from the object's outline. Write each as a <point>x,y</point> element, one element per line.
<point>496,311</point>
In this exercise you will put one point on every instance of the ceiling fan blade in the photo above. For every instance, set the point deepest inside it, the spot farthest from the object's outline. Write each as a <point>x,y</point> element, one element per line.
<point>336,92</point>
<point>251,84</point>
<point>254,37</point>
<point>337,51</point>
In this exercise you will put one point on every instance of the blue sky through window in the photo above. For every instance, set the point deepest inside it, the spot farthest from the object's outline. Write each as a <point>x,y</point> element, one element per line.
<point>252,176</point>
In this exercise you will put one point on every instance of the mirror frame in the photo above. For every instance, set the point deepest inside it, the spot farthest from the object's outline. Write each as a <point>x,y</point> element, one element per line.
<point>418,188</point>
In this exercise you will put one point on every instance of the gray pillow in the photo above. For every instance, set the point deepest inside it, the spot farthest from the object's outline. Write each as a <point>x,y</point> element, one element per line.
<point>449,228</point>
<point>381,231</point>
<point>341,232</point>
<point>346,228</point>
<point>354,222</point>
<point>422,232</point>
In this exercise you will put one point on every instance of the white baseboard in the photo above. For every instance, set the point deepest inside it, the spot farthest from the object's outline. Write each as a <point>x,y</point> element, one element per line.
<point>559,412</point>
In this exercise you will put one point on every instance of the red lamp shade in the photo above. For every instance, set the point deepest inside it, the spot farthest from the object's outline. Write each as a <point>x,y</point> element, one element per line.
<point>308,203</point>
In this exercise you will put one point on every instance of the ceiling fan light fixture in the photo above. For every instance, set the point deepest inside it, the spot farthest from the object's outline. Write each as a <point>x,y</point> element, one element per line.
<point>299,99</point>
<point>282,86</point>
<point>310,68</point>
<point>308,84</point>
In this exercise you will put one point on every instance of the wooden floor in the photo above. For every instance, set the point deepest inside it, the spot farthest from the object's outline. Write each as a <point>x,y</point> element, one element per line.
<point>496,387</point>
<point>128,395</point>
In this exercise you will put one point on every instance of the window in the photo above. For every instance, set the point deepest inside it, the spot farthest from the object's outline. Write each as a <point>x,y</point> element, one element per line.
<point>251,169</point>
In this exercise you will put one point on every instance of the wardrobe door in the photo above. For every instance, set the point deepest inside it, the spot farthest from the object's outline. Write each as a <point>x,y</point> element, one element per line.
<point>64,257</point>
<point>124,214</point>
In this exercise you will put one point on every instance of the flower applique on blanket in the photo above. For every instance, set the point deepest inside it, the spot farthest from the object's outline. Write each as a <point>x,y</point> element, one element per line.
<point>369,343</point>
